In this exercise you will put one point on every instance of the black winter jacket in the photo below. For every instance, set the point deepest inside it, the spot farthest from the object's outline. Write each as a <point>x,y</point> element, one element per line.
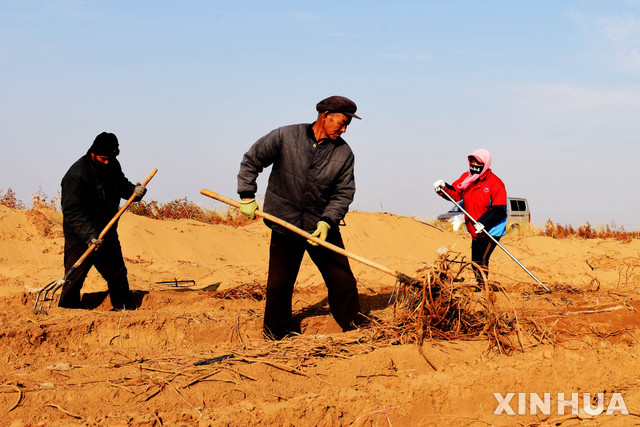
<point>308,182</point>
<point>91,198</point>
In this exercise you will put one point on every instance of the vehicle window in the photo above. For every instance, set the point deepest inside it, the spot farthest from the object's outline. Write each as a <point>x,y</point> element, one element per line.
<point>518,205</point>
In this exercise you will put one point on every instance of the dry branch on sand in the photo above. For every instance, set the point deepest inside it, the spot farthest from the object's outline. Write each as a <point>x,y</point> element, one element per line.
<point>441,306</point>
<point>19,398</point>
<point>253,291</point>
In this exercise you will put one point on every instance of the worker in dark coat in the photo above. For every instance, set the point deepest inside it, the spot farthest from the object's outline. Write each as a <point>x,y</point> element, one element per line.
<point>91,193</point>
<point>311,186</point>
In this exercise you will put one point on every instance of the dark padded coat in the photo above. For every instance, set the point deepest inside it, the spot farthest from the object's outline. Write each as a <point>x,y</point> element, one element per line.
<point>307,183</point>
<point>91,198</point>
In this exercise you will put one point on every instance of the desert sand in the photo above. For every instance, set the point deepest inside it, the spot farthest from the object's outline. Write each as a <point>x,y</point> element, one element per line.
<point>144,367</point>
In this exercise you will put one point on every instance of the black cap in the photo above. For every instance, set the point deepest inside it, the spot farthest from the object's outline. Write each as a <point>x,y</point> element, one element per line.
<point>105,144</point>
<point>338,104</point>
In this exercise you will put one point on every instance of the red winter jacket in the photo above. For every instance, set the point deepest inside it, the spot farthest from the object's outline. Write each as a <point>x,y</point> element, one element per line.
<point>485,200</point>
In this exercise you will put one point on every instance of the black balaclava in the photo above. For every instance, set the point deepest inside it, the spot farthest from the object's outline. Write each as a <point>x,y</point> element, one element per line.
<point>105,144</point>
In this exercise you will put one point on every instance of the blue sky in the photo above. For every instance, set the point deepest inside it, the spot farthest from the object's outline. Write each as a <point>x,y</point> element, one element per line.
<point>550,88</point>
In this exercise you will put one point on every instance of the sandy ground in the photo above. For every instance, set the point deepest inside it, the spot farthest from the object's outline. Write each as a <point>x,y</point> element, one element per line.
<point>188,356</point>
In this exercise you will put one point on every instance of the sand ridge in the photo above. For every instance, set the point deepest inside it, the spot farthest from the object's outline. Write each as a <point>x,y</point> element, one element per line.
<point>102,367</point>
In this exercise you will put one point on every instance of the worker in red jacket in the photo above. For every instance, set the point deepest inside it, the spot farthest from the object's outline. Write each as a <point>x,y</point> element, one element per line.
<point>484,197</point>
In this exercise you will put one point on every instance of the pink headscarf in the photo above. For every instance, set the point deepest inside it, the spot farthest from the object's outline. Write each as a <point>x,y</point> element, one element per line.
<point>483,156</point>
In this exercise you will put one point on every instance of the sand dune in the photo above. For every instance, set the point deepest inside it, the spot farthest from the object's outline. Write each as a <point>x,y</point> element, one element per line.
<point>101,367</point>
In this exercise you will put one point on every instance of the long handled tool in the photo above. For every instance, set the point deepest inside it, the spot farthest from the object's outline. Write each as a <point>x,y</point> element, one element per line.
<point>49,291</point>
<point>495,241</point>
<point>398,275</point>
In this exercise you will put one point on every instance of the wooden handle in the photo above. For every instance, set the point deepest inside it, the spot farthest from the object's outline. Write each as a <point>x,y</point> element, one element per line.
<point>303,233</point>
<point>104,231</point>
<point>124,207</point>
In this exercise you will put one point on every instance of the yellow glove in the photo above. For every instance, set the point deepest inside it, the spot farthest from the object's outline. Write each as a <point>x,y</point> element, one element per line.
<point>321,232</point>
<point>248,208</point>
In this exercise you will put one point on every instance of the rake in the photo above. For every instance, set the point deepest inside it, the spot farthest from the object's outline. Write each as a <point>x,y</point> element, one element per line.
<point>47,293</point>
<point>546,288</point>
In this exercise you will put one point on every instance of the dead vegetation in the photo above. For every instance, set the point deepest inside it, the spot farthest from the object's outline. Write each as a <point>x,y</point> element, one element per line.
<point>442,306</point>
<point>253,291</point>
<point>185,209</point>
<point>446,306</point>
<point>173,210</point>
<point>587,231</point>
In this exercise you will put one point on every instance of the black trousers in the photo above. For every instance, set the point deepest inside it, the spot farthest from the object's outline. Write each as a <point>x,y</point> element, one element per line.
<point>108,260</point>
<point>285,255</point>
<point>481,250</point>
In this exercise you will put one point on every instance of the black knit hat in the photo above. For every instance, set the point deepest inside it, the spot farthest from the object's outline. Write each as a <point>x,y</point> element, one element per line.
<point>105,144</point>
<point>338,104</point>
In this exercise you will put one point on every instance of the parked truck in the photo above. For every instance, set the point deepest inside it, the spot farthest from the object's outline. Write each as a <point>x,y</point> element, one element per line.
<point>518,215</point>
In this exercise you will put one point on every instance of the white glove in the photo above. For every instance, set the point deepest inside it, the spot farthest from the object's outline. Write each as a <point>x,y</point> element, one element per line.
<point>438,185</point>
<point>479,227</point>
<point>140,191</point>
<point>95,241</point>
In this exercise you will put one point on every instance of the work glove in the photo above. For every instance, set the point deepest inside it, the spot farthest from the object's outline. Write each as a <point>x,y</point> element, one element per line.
<point>479,227</point>
<point>140,191</point>
<point>321,232</point>
<point>439,185</point>
<point>248,208</point>
<point>95,241</point>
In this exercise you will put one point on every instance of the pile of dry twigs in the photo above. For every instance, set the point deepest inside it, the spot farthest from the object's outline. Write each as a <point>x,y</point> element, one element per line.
<point>444,304</point>
<point>253,291</point>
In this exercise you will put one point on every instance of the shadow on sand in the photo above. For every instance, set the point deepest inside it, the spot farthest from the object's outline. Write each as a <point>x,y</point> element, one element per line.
<point>93,300</point>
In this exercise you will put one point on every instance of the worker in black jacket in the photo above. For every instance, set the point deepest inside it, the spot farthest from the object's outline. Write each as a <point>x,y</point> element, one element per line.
<point>311,186</point>
<point>91,193</point>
